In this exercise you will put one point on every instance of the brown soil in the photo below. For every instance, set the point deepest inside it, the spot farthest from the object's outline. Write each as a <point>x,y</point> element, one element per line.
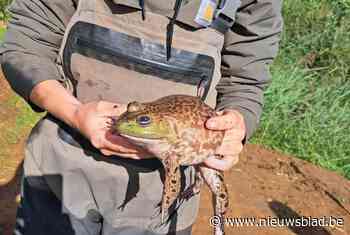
<point>267,184</point>
<point>11,155</point>
<point>3,24</point>
<point>264,184</point>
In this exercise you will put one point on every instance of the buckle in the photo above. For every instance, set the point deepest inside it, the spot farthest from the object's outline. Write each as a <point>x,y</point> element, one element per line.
<point>225,15</point>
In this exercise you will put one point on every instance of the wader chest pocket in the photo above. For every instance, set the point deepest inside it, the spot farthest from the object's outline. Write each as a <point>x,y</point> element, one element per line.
<point>137,54</point>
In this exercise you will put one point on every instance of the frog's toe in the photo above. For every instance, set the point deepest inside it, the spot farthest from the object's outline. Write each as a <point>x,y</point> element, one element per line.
<point>222,206</point>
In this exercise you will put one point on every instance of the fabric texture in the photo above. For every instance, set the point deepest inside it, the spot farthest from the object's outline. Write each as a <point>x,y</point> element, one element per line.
<point>39,207</point>
<point>37,27</point>
<point>84,192</point>
<point>126,193</point>
<point>105,77</point>
<point>32,41</point>
<point>250,47</point>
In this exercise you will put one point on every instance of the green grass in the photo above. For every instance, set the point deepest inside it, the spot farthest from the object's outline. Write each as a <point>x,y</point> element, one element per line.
<point>17,129</point>
<point>25,119</point>
<point>2,32</point>
<point>307,121</point>
<point>307,108</point>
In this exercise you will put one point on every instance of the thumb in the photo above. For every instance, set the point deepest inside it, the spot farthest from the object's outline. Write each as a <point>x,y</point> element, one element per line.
<point>220,123</point>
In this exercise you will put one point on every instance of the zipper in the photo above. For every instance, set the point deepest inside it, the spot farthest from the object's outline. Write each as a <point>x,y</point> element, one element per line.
<point>195,74</point>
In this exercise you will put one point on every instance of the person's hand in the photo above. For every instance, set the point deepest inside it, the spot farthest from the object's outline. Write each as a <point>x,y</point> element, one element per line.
<point>232,122</point>
<point>94,120</point>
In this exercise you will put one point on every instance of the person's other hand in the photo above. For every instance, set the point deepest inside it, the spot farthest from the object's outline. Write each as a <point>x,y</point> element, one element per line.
<point>232,122</point>
<point>95,119</point>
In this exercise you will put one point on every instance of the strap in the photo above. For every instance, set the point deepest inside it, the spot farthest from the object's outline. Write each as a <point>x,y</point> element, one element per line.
<point>170,29</point>
<point>225,15</point>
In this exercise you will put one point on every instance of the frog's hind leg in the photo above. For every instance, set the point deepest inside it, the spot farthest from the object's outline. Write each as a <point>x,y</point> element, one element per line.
<point>215,181</point>
<point>172,183</point>
<point>196,187</point>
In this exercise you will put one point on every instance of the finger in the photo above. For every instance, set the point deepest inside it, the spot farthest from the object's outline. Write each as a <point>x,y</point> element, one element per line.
<point>108,152</point>
<point>115,138</point>
<point>232,139</point>
<point>127,147</point>
<point>231,148</point>
<point>104,123</point>
<point>136,156</point>
<point>223,164</point>
<point>118,144</point>
<point>231,143</point>
<point>235,134</point>
<point>106,140</point>
<point>109,121</point>
<point>220,123</point>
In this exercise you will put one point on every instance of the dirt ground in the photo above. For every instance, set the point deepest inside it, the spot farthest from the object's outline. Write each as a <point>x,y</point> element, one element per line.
<point>267,184</point>
<point>264,185</point>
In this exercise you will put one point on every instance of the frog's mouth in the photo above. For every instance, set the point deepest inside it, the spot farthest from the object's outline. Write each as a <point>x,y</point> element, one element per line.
<point>153,145</point>
<point>148,140</point>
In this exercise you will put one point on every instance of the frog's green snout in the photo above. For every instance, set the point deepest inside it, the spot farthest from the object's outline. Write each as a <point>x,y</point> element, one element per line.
<point>139,122</point>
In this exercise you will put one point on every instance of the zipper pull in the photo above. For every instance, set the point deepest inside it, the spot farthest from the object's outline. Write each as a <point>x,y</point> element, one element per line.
<point>143,12</point>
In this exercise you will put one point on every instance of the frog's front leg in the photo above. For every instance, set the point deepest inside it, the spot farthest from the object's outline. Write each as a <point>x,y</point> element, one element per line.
<point>215,181</point>
<point>172,183</point>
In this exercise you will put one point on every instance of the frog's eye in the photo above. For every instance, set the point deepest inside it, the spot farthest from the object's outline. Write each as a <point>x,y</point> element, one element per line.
<point>143,120</point>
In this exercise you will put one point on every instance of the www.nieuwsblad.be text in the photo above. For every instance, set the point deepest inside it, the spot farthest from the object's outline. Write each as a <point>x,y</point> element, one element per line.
<point>329,221</point>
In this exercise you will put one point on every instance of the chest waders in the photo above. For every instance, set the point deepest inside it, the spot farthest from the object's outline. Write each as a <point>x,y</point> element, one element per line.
<point>121,51</point>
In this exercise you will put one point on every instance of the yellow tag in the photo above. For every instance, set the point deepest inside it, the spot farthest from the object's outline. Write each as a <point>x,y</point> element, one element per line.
<point>208,13</point>
<point>205,13</point>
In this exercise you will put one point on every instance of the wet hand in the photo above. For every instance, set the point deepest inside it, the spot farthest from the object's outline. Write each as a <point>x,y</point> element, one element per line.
<point>232,122</point>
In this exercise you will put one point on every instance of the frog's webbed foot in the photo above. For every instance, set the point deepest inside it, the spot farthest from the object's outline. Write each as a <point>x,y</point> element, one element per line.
<point>172,183</point>
<point>215,181</point>
<point>195,188</point>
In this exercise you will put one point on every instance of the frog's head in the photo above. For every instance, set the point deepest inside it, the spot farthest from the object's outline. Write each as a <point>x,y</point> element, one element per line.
<point>143,126</point>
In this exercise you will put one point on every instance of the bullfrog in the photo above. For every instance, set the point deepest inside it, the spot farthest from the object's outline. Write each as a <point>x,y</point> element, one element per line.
<point>172,128</point>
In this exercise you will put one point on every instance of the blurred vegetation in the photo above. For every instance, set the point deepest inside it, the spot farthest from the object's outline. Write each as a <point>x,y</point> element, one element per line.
<point>307,106</point>
<point>2,33</point>
<point>3,11</point>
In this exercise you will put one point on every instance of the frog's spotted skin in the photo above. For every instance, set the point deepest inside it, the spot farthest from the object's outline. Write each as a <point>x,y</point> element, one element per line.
<point>173,129</point>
